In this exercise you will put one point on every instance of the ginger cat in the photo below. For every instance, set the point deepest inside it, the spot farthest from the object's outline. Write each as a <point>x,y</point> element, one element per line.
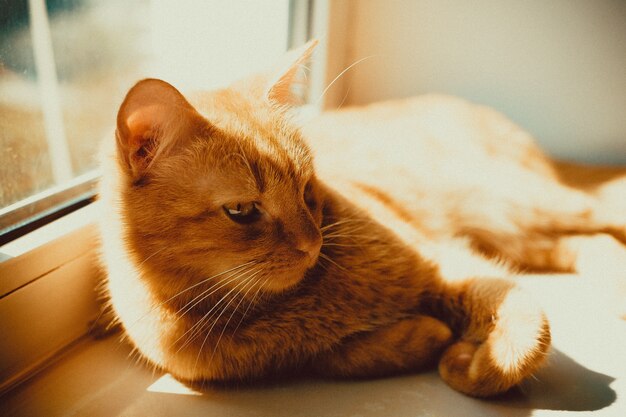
<point>231,256</point>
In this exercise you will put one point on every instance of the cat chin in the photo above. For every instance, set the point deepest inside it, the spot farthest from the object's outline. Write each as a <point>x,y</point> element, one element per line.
<point>285,281</point>
<point>292,275</point>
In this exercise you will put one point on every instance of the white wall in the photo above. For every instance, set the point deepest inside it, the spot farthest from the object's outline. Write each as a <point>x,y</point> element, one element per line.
<point>206,44</point>
<point>557,67</point>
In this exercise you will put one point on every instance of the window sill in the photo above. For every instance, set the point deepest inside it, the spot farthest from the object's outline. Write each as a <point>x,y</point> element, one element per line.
<point>585,372</point>
<point>47,293</point>
<point>32,256</point>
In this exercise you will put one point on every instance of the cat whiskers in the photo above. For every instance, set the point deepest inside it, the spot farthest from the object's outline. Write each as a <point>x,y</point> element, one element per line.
<point>347,228</point>
<point>189,288</point>
<point>319,99</point>
<point>151,256</point>
<point>345,221</point>
<point>208,279</point>
<point>211,290</point>
<point>233,313</point>
<point>344,233</point>
<point>343,245</point>
<point>251,303</point>
<point>201,325</point>
<point>345,96</point>
<point>197,327</point>
<point>348,233</point>
<point>224,309</point>
<point>327,258</point>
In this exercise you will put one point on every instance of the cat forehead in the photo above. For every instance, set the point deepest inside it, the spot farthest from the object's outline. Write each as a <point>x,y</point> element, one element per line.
<point>257,137</point>
<point>230,172</point>
<point>269,164</point>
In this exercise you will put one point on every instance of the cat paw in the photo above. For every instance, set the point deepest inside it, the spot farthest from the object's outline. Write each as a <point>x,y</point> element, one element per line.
<point>513,350</point>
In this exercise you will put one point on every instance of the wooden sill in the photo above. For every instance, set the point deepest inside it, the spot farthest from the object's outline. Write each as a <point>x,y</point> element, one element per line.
<point>48,297</point>
<point>586,373</point>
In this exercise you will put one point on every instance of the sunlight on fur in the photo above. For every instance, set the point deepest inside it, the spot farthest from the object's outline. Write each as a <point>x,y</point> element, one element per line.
<point>367,242</point>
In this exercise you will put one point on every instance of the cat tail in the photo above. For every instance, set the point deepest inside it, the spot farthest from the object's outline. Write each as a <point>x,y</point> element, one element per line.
<point>502,335</point>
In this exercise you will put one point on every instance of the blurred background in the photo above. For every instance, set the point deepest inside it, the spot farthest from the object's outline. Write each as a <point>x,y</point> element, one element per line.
<point>557,68</point>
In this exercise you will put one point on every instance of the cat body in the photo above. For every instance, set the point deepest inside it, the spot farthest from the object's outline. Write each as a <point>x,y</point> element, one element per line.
<point>231,256</point>
<point>457,170</point>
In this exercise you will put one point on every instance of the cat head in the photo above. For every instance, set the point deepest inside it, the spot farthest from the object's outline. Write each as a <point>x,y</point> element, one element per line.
<point>224,188</point>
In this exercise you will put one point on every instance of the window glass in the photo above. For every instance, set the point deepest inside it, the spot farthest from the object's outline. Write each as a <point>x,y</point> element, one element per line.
<point>24,161</point>
<point>65,66</point>
<point>100,48</point>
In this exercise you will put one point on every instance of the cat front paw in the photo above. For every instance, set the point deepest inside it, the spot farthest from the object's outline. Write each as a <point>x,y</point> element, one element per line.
<point>513,350</point>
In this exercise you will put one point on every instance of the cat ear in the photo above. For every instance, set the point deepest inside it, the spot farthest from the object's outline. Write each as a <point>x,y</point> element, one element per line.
<point>152,118</point>
<point>279,90</point>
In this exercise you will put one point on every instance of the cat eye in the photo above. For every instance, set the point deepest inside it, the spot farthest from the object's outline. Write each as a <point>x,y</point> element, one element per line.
<point>243,213</point>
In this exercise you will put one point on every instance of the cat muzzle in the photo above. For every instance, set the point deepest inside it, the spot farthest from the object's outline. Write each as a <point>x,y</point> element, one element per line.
<point>310,249</point>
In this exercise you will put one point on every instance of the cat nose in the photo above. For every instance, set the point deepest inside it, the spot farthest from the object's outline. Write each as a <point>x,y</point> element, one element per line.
<point>310,246</point>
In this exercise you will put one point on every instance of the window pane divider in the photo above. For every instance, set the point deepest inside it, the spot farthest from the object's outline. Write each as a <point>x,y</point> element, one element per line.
<point>48,86</point>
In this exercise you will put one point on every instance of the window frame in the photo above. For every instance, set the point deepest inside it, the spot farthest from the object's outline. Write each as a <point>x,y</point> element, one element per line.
<point>33,212</point>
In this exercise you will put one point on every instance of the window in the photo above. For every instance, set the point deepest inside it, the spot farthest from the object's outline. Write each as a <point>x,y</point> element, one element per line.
<point>65,66</point>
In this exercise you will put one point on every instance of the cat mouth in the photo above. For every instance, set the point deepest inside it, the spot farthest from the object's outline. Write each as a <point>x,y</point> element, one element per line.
<point>284,281</point>
<point>310,259</point>
<point>292,274</point>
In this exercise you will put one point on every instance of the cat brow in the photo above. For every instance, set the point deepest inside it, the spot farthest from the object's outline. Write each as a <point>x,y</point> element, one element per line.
<point>258,178</point>
<point>253,169</point>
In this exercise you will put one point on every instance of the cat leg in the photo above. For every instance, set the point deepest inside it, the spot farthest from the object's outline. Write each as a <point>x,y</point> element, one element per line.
<point>409,345</point>
<point>527,233</point>
<point>503,336</point>
<point>603,234</point>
